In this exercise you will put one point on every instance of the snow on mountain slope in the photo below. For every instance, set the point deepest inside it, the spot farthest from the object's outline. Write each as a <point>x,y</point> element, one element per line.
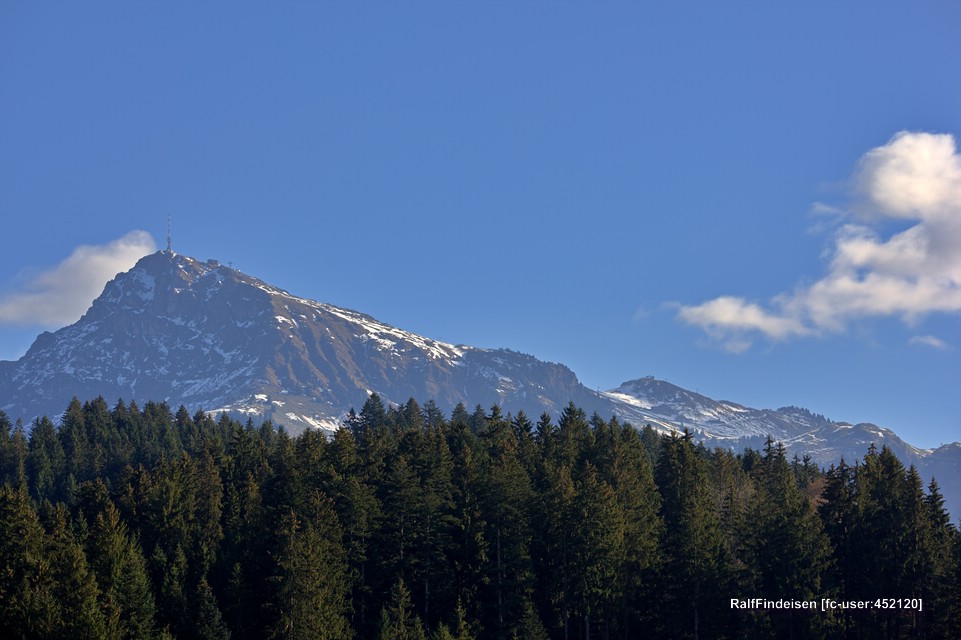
<point>660,402</point>
<point>730,425</point>
<point>211,337</point>
<point>208,336</point>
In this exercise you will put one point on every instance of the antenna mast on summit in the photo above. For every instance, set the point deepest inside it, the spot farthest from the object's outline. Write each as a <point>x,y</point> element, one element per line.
<point>169,249</point>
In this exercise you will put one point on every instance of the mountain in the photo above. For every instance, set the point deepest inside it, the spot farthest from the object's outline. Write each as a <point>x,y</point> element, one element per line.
<point>728,424</point>
<point>661,403</point>
<point>210,337</point>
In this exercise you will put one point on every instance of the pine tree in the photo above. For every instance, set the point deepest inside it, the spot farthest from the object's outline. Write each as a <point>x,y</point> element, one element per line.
<point>46,462</point>
<point>373,417</point>
<point>470,547</point>
<point>599,552</point>
<point>693,567</point>
<point>359,512</point>
<point>107,449</point>
<point>8,461</point>
<point>530,627</point>
<point>950,618</point>
<point>944,577</point>
<point>887,527</point>
<point>838,511</point>
<point>243,568</point>
<point>74,587</point>
<point>630,474</point>
<point>19,447</point>
<point>312,576</point>
<point>461,630</point>
<point>121,572</point>
<point>431,459</point>
<point>574,437</point>
<point>397,538</point>
<point>918,544</point>
<point>789,551</point>
<point>207,530</point>
<point>208,621</point>
<point>28,605</point>
<point>557,547</point>
<point>397,620</point>
<point>506,499</point>
<point>526,442</point>
<point>75,441</point>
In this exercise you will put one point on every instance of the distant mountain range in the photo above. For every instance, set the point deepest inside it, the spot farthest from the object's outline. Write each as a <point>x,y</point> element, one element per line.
<point>210,337</point>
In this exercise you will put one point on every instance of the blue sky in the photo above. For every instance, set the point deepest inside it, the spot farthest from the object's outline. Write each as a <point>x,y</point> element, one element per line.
<point>759,203</point>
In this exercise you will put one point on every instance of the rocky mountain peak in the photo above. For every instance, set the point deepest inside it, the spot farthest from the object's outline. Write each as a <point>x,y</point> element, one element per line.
<point>210,337</point>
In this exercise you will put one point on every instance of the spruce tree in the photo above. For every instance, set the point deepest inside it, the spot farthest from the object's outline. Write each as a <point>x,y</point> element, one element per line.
<point>530,626</point>
<point>470,548</point>
<point>506,499</point>
<point>789,551</point>
<point>944,579</point>
<point>121,572</point>
<point>46,462</point>
<point>398,620</point>
<point>8,462</point>
<point>838,511</point>
<point>694,564</point>
<point>599,553</point>
<point>73,585</point>
<point>28,605</point>
<point>433,463</point>
<point>208,622</point>
<point>630,474</point>
<point>397,539</point>
<point>556,548</point>
<point>359,512</point>
<point>311,576</point>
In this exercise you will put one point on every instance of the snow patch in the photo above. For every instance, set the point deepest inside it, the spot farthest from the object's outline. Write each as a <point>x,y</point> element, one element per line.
<point>634,401</point>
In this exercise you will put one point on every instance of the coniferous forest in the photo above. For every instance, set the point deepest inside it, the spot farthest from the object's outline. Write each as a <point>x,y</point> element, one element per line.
<point>130,522</point>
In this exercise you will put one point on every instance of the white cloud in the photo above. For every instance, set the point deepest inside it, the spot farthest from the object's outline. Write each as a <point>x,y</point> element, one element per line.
<point>915,175</point>
<point>731,320</point>
<point>59,296</point>
<point>908,274</point>
<point>930,341</point>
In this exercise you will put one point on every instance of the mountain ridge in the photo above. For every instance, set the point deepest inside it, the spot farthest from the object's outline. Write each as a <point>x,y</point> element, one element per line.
<point>206,335</point>
<point>211,337</point>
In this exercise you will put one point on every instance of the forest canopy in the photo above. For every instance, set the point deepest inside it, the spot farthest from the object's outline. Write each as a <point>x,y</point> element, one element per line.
<point>131,522</point>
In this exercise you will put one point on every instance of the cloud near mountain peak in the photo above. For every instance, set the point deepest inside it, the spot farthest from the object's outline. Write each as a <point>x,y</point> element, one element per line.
<point>60,295</point>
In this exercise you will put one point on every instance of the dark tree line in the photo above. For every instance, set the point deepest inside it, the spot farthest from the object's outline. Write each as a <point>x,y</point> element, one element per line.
<point>408,523</point>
